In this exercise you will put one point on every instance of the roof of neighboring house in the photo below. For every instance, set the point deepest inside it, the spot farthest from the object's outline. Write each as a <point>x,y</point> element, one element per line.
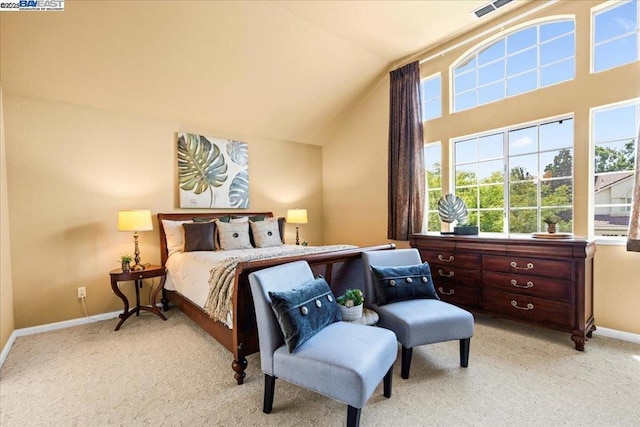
<point>605,221</point>
<point>607,180</point>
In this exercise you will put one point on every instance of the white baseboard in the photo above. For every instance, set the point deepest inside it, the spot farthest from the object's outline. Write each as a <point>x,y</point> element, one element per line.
<point>7,347</point>
<point>620,335</point>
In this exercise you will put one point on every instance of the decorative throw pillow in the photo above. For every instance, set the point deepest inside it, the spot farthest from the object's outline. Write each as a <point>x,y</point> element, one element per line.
<point>199,236</point>
<point>174,233</point>
<point>233,235</point>
<point>304,310</point>
<point>266,233</point>
<point>394,284</point>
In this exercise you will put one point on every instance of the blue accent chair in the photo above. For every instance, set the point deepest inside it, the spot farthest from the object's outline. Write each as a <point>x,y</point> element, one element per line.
<point>344,361</point>
<point>418,321</point>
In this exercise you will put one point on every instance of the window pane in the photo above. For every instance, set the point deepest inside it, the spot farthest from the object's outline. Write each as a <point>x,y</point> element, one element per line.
<point>523,221</point>
<point>523,194</point>
<point>492,196</point>
<point>434,222</point>
<point>466,65</point>
<point>556,135</point>
<point>465,82</point>
<point>493,92</point>
<point>431,88</point>
<point>432,157</point>
<point>558,72</point>
<point>491,222</point>
<point>469,196</point>
<point>549,31</point>
<point>522,39</point>
<point>466,151</point>
<point>523,167</point>
<point>490,146</point>
<point>616,21</point>
<point>614,156</point>
<point>523,140</point>
<point>615,123</point>
<point>491,53</point>
<point>490,171</point>
<point>467,174</point>
<point>521,62</point>
<point>465,100</point>
<point>556,164</point>
<point>616,52</point>
<point>434,197</point>
<point>432,109</point>
<point>557,49</point>
<point>491,73</point>
<point>556,193</point>
<point>522,83</point>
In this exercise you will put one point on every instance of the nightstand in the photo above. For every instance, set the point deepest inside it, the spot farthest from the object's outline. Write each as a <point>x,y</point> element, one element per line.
<point>137,277</point>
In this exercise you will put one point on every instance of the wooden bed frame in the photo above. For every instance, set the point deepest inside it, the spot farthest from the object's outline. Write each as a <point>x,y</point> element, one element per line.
<point>342,269</point>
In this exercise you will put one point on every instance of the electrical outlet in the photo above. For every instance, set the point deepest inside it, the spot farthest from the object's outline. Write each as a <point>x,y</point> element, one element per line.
<point>82,292</point>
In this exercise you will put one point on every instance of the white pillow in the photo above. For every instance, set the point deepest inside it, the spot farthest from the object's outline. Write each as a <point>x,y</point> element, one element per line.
<point>233,235</point>
<point>266,233</point>
<point>174,232</point>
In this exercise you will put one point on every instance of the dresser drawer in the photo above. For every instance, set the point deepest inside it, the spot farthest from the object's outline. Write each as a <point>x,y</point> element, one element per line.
<point>451,258</point>
<point>553,268</point>
<point>445,274</point>
<point>527,285</point>
<point>459,295</point>
<point>530,308</point>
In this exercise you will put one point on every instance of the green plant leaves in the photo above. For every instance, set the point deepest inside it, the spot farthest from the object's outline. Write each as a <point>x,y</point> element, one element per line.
<point>201,165</point>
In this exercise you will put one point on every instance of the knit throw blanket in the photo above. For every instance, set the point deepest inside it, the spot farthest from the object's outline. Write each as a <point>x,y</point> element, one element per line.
<point>219,303</point>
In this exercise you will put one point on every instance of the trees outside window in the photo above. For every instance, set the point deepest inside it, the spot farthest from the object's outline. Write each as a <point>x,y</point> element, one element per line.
<point>433,176</point>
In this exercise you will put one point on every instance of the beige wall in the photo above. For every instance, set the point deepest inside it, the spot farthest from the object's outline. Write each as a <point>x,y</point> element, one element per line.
<point>355,157</point>
<point>71,168</point>
<point>7,324</point>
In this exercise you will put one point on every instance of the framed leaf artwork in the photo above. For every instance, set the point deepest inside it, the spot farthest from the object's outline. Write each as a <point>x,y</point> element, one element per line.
<point>212,172</point>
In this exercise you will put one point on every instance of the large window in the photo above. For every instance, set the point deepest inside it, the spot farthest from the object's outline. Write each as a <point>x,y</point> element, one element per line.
<point>534,57</point>
<point>539,182</point>
<point>615,36</point>
<point>433,174</point>
<point>614,132</point>
<point>431,89</point>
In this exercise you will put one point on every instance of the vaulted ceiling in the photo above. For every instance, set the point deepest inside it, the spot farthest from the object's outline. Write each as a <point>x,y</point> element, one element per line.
<point>276,69</point>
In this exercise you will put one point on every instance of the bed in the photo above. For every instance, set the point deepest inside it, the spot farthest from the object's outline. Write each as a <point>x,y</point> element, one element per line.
<point>340,265</point>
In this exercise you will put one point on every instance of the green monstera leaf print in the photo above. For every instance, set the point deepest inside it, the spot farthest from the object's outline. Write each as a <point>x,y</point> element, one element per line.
<point>201,165</point>
<point>238,152</point>
<point>239,190</point>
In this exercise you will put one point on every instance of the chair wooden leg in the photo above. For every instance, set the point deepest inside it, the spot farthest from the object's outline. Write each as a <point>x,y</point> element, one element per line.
<point>269,390</point>
<point>387,382</point>
<point>353,416</point>
<point>406,362</point>
<point>464,352</point>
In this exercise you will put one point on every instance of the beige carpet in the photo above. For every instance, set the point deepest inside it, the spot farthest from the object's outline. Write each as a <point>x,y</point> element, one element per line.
<point>171,373</point>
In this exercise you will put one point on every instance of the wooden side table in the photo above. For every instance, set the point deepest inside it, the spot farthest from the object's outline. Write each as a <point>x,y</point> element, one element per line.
<point>137,277</point>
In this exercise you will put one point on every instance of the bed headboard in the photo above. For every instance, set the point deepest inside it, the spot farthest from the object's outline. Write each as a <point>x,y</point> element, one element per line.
<point>186,216</point>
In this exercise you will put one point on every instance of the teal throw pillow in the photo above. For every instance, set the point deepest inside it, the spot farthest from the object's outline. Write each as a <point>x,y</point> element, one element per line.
<point>395,284</point>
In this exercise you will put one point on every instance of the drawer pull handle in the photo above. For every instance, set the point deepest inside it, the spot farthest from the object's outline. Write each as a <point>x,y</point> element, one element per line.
<point>450,259</point>
<point>529,284</point>
<point>528,307</point>
<point>515,265</point>
<point>451,291</point>
<point>441,273</point>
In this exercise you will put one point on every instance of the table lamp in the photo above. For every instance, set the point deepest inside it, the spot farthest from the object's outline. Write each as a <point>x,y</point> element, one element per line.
<point>135,220</point>
<point>297,216</point>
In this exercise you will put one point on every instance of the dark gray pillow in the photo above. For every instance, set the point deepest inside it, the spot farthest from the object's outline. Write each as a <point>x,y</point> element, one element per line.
<point>199,236</point>
<point>394,284</point>
<point>304,310</point>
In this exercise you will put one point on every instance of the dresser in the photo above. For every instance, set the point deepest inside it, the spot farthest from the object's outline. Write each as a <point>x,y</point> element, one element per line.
<point>545,282</point>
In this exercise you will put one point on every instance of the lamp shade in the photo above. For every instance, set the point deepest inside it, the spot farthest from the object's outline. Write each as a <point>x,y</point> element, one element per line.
<point>297,216</point>
<point>135,220</point>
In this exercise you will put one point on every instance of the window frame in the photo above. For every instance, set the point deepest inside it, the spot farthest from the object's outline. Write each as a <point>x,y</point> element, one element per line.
<point>603,8</point>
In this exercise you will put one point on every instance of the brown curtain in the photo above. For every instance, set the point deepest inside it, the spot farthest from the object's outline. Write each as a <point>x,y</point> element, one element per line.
<point>633,241</point>
<point>406,156</point>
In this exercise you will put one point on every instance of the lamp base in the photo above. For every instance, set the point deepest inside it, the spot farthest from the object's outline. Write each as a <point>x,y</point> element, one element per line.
<point>137,267</point>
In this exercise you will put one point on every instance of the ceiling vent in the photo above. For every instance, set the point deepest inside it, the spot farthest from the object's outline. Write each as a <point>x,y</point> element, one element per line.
<point>491,7</point>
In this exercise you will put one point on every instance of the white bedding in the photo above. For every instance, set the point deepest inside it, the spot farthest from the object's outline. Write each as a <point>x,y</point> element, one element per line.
<point>189,272</point>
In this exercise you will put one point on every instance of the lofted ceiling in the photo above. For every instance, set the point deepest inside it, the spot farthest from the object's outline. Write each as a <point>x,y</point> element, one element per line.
<point>275,69</point>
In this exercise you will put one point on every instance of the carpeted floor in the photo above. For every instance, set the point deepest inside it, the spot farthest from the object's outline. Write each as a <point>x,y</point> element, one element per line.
<point>172,373</point>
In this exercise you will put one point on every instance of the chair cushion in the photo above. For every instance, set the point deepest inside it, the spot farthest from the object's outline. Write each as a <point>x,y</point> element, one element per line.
<point>393,284</point>
<point>304,310</point>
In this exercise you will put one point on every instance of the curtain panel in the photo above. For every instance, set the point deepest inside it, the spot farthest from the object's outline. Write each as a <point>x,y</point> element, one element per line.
<point>633,241</point>
<point>406,187</point>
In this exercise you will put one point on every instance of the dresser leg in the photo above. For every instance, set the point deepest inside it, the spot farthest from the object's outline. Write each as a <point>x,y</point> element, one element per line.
<point>591,331</point>
<point>580,340</point>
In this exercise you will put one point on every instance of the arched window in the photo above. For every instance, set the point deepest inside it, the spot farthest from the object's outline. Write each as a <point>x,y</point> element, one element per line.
<point>526,59</point>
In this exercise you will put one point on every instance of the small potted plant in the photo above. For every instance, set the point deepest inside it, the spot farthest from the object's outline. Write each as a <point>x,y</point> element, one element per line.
<point>350,304</point>
<point>551,220</point>
<point>125,261</point>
